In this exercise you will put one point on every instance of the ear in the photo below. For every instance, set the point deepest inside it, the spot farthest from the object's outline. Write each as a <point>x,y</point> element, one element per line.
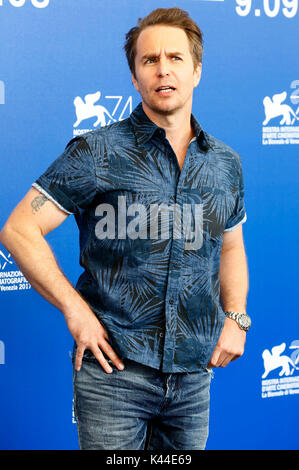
<point>197,75</point>
<point>135,83</point>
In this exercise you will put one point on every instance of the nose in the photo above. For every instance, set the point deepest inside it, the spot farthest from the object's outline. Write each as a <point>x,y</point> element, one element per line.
<point>163,68</point>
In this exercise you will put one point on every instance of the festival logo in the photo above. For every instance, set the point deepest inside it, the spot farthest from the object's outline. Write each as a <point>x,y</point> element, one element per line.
<point>281,123</point>
<point>11,280</point>
<point>281,376</point>
<point>88,108</point>
<point>21,3</point>
<point>4,260</point>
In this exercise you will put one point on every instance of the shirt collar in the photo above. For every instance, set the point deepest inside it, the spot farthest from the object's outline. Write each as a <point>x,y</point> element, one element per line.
<point>144,128</point>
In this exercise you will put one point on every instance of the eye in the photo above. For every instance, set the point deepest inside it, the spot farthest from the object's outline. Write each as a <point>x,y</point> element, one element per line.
<point>176,57</point>
<point>149,61</point>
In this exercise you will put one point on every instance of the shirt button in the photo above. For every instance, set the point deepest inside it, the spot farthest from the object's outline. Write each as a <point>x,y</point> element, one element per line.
<point>171,301</point>
<point>161,335</point>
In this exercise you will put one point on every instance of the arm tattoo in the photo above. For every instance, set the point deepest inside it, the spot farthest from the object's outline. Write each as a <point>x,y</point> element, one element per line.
<point>38,202</point>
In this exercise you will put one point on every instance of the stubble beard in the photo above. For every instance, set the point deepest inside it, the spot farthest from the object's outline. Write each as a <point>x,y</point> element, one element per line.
<point>159,109</point>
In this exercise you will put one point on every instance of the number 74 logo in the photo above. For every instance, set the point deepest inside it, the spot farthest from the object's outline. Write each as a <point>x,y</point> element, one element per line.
<point>87,108</point>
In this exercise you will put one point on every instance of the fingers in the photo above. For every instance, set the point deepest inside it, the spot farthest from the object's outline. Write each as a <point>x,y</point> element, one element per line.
<point>221,358</point>
<point>99,356</point>
<point>95,349</point>
<point>105,346</point>
<point>227,360</point>
<point>79,356</point>
<point>236,356</point>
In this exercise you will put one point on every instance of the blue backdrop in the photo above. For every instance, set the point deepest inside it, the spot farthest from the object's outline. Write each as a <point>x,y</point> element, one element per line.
<point>51,52</point>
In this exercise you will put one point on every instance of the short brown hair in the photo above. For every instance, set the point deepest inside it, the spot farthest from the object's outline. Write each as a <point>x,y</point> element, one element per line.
<point>169,17</point>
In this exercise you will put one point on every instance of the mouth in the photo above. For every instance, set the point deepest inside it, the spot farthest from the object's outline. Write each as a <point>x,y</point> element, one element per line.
<point>165,90</point>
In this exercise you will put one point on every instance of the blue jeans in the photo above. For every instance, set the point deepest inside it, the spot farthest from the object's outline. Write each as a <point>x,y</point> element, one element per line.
<point>140,408</point>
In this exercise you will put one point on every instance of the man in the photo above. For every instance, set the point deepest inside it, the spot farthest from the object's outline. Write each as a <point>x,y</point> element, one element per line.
<point>146,314</point>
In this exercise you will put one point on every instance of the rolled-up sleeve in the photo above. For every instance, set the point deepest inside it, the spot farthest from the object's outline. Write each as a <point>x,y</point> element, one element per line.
<point>70,181</point>
<point>238,215</point>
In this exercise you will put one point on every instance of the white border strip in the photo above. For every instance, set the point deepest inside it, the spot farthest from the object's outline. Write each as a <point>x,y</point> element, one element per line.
<point>241,222</point>
<point>41,190</point>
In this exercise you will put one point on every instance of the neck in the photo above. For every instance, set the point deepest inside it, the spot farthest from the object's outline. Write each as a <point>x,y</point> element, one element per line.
<point>177,126</point>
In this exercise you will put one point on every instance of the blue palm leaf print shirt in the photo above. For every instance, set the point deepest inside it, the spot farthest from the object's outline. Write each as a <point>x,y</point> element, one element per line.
<point>150,236</point>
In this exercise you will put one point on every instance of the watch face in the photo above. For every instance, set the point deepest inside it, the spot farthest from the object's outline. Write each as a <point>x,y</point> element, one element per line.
<point>244,321</point>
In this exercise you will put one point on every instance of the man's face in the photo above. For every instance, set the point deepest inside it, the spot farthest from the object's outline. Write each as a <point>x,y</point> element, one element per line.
<point>163,59</point>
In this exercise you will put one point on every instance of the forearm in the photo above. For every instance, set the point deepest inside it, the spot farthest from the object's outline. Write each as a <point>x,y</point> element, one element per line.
<point>234,280</point>
<point>37,262</point>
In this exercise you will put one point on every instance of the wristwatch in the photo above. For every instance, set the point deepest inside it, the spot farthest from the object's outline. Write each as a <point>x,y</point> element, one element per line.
<point>243,320</point>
